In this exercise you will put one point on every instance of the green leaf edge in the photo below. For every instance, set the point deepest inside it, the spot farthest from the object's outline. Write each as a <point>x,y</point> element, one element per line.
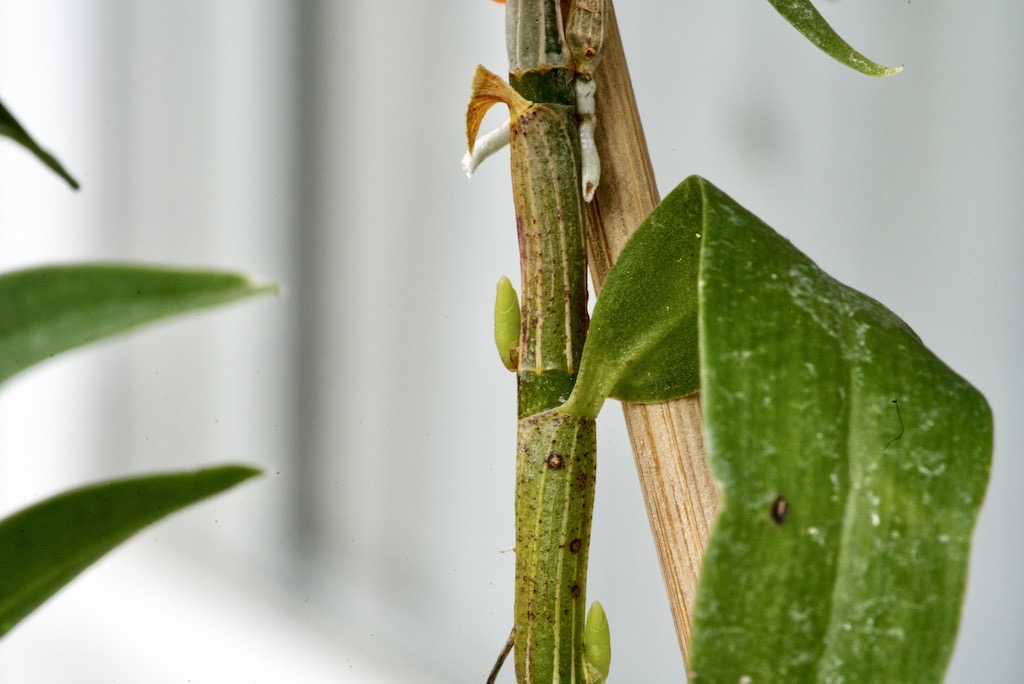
<point>48,310</point>
<point>58,530</point>
<point>10,127</point>
<point>806,19</point>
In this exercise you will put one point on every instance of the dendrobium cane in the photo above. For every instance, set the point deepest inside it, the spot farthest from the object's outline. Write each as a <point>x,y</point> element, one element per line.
<point>555,169</point>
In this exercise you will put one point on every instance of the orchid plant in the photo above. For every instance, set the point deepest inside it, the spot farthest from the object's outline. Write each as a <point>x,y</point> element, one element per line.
<point>849,462</point>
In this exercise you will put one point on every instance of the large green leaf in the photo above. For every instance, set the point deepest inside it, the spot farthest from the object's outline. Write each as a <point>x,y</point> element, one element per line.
<point>45,311</point>
<point>808,21</point>
<point>10,127</point>
<point>642,343</point>
<point>44,547</point>
<point>851,464</point>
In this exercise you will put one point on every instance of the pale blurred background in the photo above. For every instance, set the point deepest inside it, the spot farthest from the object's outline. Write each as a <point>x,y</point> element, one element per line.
<point>317,144</point>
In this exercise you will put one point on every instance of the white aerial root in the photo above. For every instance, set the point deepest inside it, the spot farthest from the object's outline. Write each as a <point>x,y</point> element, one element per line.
<point>485,146</point>
<point>590,162</point>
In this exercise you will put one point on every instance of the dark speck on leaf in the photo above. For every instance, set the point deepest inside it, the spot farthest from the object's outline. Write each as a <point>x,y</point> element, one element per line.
<point>780,510</point>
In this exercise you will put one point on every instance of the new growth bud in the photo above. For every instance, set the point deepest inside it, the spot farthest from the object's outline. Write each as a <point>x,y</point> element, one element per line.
<point>597,645</point>
<point>507,318</point>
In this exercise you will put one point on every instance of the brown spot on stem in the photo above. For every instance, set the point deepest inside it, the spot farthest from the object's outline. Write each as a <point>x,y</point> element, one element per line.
<point>555,462</point>
<point>575,544</point>
<point>575,590</point>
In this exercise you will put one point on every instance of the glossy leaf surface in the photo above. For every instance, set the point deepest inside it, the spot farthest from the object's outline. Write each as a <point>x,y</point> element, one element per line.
<point>808,21</point>
<point>45,311</point>
<point>642,343</point>
<point>45,546</point>
<point>10,127</point>
<point>851,464</point>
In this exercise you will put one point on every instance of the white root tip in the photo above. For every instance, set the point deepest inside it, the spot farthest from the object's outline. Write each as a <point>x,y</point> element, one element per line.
<point>591,163</point>
<point>486,146</point>
<point>469,164</point>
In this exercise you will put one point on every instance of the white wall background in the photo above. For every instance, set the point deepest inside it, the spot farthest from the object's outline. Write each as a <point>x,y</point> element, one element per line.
<point>317,144</point>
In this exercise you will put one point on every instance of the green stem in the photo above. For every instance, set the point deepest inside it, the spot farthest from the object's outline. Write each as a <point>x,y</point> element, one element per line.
<point>554,501</point>
<point>555,473</point>
<point>556,455</point>
<point>550,223</point>
<point>549,220</point>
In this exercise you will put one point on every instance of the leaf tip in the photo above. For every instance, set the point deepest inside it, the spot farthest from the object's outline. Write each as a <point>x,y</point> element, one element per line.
<point>232,474</point>
<point>245,471</point>
<point>258,286</point>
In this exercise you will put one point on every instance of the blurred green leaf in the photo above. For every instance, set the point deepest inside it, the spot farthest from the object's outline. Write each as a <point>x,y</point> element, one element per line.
<point>851,464</point>
<point>642,343</point>
<point>45,311</point>
<point>808,21</point>
<point>10,127</point>
<point>45,546</point>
